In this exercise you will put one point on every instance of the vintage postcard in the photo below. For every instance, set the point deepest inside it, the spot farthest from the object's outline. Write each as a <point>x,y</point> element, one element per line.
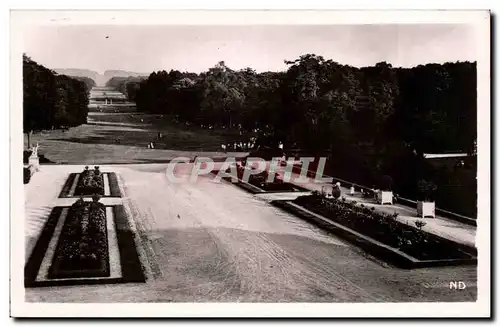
<point>250,163</point>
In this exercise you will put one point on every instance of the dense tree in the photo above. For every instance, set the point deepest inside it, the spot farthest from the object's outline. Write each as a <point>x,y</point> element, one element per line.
<point>50,100</point>
<point>89,82</point>
<point>126,85</point>
<point>369,121</point>
<point>322,106</point>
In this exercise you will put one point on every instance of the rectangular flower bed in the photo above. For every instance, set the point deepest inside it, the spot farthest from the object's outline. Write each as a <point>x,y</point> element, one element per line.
<point>82,249</point>
<point>259,184</point>
<point>91,182</point>
<point>86,243</point>
<point>380,234</point>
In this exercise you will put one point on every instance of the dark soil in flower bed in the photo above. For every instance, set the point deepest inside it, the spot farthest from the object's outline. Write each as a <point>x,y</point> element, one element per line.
<point>387,230</point>
<point>82,249</point>
<point>90,182</point>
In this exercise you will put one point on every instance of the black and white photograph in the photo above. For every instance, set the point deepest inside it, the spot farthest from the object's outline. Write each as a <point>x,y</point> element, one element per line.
<point>226,163</point>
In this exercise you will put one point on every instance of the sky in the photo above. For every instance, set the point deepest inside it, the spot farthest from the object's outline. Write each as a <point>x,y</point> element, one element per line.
<point>144,49</point>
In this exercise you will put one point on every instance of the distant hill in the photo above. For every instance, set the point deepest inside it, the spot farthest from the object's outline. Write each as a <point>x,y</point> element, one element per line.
<point>109,74</point>
<point>77,72</point>
<point>100,79</point>
<point>122,73</point>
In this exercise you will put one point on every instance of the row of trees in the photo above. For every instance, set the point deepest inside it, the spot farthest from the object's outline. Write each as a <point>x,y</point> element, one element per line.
<point>52,101</point>
<point>89,82</point>
<point>370,121</point>
<point>318,103</point>
<point>126,85</point>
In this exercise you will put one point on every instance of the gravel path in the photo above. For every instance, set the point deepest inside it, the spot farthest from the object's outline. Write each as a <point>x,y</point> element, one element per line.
<point>211,241</point>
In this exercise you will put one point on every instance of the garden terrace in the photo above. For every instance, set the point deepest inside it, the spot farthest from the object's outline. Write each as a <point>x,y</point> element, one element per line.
<point>380,234</point>
<point>194,248</point>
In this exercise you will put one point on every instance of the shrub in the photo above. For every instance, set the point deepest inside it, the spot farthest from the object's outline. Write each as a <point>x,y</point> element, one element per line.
<point>383,228</point>
<point>26,175</point>
<point>316,194</point>
<point>420,223</point>
<point>426,190</point>
<point>336,193</point>
<point>386,183</point>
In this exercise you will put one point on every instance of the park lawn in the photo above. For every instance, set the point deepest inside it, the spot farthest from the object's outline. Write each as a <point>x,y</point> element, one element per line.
<point>164,124</point>
<point>123,138</point>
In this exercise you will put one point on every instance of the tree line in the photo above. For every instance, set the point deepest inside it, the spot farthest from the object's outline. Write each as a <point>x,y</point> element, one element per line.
<point>52,101</point>
<point>126,85</point>
<point>370,121</point>
<point>317,104</point>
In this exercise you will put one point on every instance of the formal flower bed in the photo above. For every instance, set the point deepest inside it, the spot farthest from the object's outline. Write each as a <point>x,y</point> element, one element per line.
<point>383,228</point>
<point>260,181</point>
<point>82,249</point>
<point>91,182</point>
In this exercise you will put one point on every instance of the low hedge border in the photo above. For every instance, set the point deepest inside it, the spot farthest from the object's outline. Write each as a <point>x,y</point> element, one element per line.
<point>67,185</point>
<point>114,188</point>
<point>36,257</point>
<point>376,248</point>
<point>132,270</point>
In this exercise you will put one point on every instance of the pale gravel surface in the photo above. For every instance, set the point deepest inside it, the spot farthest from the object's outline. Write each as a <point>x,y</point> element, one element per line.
<point>212,241</point>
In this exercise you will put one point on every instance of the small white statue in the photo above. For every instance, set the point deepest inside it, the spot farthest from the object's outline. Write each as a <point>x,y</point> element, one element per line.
<point>34,151</point>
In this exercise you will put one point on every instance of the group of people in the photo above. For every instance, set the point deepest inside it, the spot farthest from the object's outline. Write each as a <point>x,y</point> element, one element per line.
<point>151,145</point>
<point>239,146</point>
